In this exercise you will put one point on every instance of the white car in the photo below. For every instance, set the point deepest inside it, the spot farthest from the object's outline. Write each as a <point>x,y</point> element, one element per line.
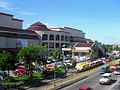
<point>105,78</point>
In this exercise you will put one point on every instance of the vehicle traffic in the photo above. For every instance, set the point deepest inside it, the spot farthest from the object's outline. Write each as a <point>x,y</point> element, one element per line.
<point>105,78</point>
<point>117,70</point>
<point>104,69</point>
<point>86,88</point>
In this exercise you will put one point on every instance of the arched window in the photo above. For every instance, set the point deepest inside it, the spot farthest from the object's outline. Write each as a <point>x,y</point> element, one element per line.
<point>44,37</point>
<point>68,38</point>
<point>65,38</point>
<point>57,37</point>
<point>62,38</point>
<point>51,37</point>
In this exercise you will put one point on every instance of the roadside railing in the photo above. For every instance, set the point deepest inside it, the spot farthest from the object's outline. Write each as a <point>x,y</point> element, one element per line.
<point>68,80</point>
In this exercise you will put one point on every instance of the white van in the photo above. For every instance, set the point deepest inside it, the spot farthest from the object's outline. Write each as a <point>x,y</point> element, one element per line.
<point>105,78</point>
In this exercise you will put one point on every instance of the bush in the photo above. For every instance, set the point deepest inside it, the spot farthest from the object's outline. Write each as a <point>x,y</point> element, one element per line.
<point>10,79</point>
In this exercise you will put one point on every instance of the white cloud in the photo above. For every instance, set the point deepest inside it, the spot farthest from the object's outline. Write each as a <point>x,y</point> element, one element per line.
<point>50,25</point>
<point>6,6</point>
<point>25,13</point>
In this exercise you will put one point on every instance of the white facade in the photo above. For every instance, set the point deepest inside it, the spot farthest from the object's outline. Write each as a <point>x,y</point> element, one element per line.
<point>82,48</point>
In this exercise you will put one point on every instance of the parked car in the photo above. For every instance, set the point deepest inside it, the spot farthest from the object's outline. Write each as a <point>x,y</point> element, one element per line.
<point>86,88</point>
<point>105,69</point>
<point>117,70</point>
<point>113,66</point>
<point>22,68</point>
<point>105,78</point>
<point>18,73</point>
<point>50,66</point>
<point>59,64</point>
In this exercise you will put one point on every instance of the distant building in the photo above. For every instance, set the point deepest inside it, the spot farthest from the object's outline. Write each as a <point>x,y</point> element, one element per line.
<point>13,37</point>
<point>116,45</point>
<point>83,48</point>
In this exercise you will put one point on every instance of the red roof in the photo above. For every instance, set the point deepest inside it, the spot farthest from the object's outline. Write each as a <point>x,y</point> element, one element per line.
<point>38,23</point>
<point>38,26</point>
<point>16,30</point>
<point>84,45</point>
<point>6,14</point>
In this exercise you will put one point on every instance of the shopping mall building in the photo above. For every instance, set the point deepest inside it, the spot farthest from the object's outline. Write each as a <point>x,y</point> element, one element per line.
<point>12,36</point>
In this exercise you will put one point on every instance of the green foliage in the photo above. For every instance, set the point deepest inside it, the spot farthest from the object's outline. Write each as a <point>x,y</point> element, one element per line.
<point>7,61</point>
<point>116,48</point>
<point>10,79</point>
<point>43,54</point>
<point>28,55</point>
<point>107,47</point>
<point>56,54</point>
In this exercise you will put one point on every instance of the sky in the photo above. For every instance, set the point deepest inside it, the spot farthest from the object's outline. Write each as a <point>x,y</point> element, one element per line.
<point>99,19</point>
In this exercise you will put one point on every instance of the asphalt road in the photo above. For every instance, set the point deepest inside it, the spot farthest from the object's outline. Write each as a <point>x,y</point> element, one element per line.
<point>93,81</point>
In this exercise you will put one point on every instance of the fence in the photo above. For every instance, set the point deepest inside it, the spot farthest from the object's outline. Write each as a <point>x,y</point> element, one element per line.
<point>68,80</point>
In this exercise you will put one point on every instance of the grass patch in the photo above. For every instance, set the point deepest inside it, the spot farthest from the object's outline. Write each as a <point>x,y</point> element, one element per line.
<point>21,79</point>
<point>37,76</point>
<point>59,70</point>
<point>7,83</point>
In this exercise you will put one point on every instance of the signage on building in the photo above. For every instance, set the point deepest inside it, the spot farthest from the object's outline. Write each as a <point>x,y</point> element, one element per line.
<point>22,43</point>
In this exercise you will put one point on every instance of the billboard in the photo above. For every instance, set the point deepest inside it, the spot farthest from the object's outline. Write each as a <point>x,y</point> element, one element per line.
<point>22,43</point>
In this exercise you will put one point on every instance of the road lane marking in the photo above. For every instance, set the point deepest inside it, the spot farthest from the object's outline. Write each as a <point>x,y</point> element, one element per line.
<point>115,83</point>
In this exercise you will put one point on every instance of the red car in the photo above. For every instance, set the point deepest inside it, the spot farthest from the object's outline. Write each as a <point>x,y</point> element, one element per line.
<point>86,88</point>
<point>22,68</point>
<point>18,73</point>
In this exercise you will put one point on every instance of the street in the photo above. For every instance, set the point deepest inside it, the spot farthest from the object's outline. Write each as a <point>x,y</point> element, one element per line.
<point>93,81</point>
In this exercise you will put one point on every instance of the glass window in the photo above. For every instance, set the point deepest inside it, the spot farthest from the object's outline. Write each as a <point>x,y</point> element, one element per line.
<point>51,37</point>
<point>62,38</point>
<point>65,38</point>
<point>57,45</point>
<point>45,37</point>
<point>51,45</point>
<point>57,37</point>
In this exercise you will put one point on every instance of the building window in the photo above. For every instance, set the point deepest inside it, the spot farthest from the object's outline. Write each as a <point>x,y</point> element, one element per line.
<point>62,38</point>
<point>68,38</point>
<point>57,37</point>
<point>51,45</point>
<point>51,37</point>
<point>65,38</point>
<point>57,45</point>
<point>45,43</point>
<point>45,37</point>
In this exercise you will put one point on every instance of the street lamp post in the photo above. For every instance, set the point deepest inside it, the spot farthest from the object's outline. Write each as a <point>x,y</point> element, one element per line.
<point>63,53</point>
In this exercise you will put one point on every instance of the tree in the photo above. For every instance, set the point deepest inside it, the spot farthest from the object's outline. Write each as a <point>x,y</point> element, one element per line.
<point>7,61</point>
<point>57,56</point>
<point>28,55</point>
<point>116,48</point>
<point>43,54</point>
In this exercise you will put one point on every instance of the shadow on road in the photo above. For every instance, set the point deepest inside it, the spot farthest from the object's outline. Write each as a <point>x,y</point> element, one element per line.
<point>112,82</point>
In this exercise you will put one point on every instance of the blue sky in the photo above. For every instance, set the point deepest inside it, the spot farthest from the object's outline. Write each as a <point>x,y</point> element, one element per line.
<point>99,19</point>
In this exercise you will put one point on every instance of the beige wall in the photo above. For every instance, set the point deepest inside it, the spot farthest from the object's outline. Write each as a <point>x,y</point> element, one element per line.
<point>12,42</point>
<point>8,21</point>
<point>75,33</point>
<point>7,42</point>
